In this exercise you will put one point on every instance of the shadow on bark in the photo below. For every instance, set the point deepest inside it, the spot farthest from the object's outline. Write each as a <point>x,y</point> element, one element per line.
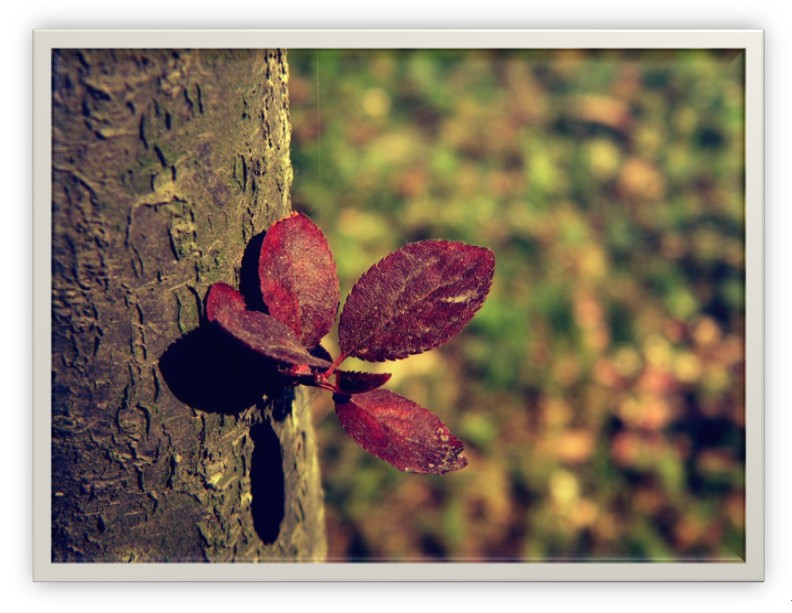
<point>249,281</point>
<point>208,372</point>
<point>267,483</point>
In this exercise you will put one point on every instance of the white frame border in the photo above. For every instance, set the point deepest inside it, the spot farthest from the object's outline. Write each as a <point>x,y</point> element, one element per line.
<point>752,41</point>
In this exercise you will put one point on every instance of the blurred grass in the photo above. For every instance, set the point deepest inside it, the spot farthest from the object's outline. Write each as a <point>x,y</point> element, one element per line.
<point>600,390</point>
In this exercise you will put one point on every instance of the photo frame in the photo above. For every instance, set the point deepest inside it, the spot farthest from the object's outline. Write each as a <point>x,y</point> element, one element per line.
<point>751,568</point>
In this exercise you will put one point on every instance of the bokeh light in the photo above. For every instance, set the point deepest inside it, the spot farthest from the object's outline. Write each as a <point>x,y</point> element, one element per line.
<point>600,390</point>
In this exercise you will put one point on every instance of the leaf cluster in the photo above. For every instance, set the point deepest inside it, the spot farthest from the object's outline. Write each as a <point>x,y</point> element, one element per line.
<point>411,301</point>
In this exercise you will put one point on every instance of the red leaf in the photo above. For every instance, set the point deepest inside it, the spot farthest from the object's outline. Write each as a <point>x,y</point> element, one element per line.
<point>321,352</point>
<point>415,299</point>
<point>222,295</point>
<point>349,382</point>
<point>299,282</point>
<point>400,432</point>
<point>265,335</point>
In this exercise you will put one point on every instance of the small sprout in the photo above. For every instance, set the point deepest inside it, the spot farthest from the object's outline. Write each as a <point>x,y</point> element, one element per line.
<point>411,301</point>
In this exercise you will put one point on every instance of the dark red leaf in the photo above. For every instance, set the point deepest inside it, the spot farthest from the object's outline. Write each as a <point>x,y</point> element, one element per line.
<point>321,352</point>
<point>299,282</point>
<point>400,432</point>
<point>415,299</point>
<point>265,335</point>
<point>349,382</point>
<point>222,295</point>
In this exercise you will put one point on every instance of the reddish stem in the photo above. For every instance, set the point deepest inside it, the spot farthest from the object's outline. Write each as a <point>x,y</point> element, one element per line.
<point>334,366</point>
<point>327,386</point>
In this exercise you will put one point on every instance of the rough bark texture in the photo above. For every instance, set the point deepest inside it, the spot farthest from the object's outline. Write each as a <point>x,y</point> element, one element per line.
<point>166,165</point>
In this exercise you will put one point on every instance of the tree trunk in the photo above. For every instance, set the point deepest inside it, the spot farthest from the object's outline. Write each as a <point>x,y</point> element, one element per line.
<point>167,444</point>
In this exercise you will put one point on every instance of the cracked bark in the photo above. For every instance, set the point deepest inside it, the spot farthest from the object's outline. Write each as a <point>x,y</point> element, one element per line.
<point>165,165</point>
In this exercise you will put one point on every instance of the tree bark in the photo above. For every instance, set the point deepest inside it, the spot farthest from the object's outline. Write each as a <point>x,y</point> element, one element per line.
<point>168,445</point>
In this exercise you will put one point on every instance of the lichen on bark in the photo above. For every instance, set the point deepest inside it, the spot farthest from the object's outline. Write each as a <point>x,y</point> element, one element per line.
<point>165,165</point>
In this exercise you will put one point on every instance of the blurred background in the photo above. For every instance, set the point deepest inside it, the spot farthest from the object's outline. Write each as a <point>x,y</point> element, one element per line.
<point>600,389</point>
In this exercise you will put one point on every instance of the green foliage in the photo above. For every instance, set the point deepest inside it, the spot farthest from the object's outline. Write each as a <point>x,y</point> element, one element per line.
<point>599,390</point>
